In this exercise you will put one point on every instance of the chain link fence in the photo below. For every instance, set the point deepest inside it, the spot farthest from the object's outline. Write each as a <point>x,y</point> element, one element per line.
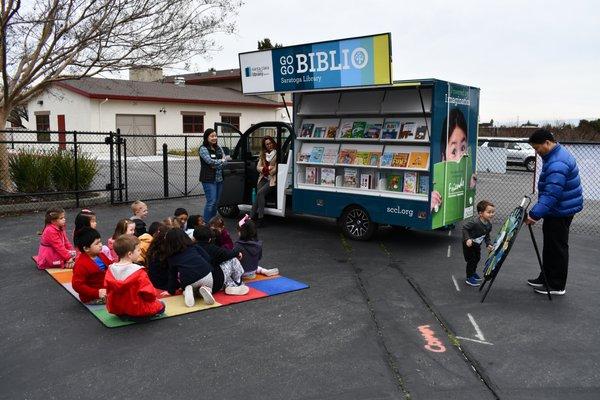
<point>507,170</point>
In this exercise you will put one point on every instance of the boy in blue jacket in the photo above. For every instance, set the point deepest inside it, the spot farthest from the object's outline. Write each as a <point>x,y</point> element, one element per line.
<point>560,197</point>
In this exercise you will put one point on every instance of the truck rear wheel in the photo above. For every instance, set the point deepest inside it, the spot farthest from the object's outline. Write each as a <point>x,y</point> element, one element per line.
<point>228,211</point>
<point>356,223</point>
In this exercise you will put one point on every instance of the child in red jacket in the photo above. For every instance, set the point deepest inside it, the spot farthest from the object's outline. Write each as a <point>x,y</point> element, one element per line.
<point>55,249</point>
<point>129,290</point>
<point>90,267</point>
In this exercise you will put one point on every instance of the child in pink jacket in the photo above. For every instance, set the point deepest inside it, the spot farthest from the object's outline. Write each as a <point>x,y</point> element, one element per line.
<point>55,249</point>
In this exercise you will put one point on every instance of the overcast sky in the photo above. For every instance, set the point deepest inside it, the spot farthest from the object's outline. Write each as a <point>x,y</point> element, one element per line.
<point>536,60</point>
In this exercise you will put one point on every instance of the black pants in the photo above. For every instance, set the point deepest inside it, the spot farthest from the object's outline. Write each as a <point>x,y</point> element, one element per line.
<point>472,256</point>
<point>555,255</point>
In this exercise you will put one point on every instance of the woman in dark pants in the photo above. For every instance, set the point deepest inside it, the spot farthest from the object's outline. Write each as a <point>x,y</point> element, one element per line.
<point>267,177</point>
<point>211,172</point>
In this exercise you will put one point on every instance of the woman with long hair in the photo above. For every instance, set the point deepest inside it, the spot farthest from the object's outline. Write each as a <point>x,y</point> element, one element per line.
<point>267,177</point>
<point>212,160</point>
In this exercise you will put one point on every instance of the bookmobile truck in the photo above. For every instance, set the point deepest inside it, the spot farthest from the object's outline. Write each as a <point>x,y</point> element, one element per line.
<point>362,149</point>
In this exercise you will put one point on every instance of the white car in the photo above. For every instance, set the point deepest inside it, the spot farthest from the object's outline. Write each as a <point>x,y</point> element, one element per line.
<point>518,150</point>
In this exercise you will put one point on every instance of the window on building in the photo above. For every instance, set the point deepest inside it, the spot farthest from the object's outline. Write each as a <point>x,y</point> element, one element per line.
<point>42,124</point>
<point>193,123</point>
<point>232,120</point>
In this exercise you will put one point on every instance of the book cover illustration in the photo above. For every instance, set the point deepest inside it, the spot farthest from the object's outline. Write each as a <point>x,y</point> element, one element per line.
<point>328,176</point>
<point>408,130</point>
<point>418,159</point>
<point>362,158</point>
<point>451,181</point>
<point>423,186</point>
<point>330,155</point>
<point>306,130</point>
<point>347,156</point>
<point>330,132</point>
<point>365,181</point>
<point>410,182</point>
<point>390,130</point>
<point>372,131</point>
<point>316,155</point>
<point>350,177</point>
<point>304,154</point>
<point>421,133</point>
<point>358,129</point>
<point>319,132</point>
<point>394,183</point>
<point>311,175</point>
<point>386,159</point>
<point>374,158</point>
<point>400,160</point>
<point>346,130</point>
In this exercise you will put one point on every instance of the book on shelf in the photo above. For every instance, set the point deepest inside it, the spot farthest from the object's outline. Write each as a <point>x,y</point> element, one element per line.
<point>303,155</point>
<point>330,155</point>
<point>362,158</point>
<point>418,159</point>
<point>316,154</point>
<point>347,156</point>
<point>421,133</point>
<point>374,159</point>
<point>345,131</point>
<point>408,130</point>
<point>350,177</point>
<point>373,131</point>
<point>306,130</point>
<point>358,129</point>
<point>423,186</point>
<point>327,176</point>
<point>330,132</point>
<point>319,132</point>
<point>367,180</point>
<point>410,182</point>
<point>394,182</point>
<point>311,175</point>
<point>400,160</point>
<point>390,130</point>
<point>386,159</point>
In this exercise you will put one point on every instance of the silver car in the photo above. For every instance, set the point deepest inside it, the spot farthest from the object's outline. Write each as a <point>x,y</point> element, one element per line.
<point>518,150</point>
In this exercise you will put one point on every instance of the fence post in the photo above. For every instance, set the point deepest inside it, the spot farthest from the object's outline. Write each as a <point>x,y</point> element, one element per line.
<point>165,171</point>
<point>119,166</point>
<point>76,169</point>
<point>125,166</point>
<point>185,165</point>
<point>111,185</point>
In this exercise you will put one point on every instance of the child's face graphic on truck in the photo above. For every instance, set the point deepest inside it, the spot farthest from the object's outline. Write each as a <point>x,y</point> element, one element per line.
<point>457,145</point>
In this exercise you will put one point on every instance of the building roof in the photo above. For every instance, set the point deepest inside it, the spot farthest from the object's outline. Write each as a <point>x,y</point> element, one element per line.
<point>214,75</point>
<point>119,89</point>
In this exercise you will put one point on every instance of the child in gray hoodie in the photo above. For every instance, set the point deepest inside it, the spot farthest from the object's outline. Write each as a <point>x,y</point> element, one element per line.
<point>251,249</point>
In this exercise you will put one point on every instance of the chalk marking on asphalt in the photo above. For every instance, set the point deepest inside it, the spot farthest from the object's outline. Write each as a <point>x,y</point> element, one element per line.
<point>474,340</point>
<point>449,251</point>
<point>479,334</point>
<point>455,283</point>
<point>433,343</point>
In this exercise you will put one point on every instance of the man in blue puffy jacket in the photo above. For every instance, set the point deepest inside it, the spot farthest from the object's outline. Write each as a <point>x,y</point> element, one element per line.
<point>560,196</point>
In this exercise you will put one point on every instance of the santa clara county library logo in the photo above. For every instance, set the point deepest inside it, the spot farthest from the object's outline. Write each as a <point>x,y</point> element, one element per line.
<point>263,70</point>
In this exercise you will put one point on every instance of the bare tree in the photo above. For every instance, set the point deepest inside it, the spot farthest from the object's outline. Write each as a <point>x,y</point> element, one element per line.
<point>44,41</point>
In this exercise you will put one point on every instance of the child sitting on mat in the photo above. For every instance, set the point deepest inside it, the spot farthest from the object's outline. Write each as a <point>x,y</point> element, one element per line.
<point>55,250</point>
<point>475,232</point>
<point>129,292</point>
<point>146,241</point>
<point>140,212</point>
<point>158,269</point>
<point>223,239</point>
<point>124,227</point>
<point>251,249</point>
<point>90,267</point>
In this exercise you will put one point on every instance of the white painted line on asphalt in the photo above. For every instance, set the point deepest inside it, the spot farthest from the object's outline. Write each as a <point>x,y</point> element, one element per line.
<point>455,284</point>
<point>479,334</point>
<point>449,250</point>
<point>450,232</point>
<point>474,340</point>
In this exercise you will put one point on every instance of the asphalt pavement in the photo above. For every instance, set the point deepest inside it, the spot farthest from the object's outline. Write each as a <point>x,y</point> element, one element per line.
<point>386,319</point>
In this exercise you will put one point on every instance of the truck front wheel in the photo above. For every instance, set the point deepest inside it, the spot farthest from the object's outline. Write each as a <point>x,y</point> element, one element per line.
<point>356,223</point>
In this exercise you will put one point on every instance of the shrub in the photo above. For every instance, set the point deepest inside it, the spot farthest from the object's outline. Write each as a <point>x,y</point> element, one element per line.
<point>30,170</point>
<point>63,170</point>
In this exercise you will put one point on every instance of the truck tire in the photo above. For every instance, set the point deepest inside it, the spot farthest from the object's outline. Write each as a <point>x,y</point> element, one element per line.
<point>228,211</point>
<point>530,164</point>
<point>356,223</point>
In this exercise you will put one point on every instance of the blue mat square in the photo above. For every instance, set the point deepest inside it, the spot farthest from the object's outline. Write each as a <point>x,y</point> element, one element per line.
<point>277,285</point>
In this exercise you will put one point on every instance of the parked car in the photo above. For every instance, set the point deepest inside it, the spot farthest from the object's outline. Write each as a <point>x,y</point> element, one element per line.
<point>518,150</point>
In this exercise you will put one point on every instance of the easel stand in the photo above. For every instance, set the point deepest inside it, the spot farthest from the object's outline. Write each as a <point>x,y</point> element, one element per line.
<point>537,253</point>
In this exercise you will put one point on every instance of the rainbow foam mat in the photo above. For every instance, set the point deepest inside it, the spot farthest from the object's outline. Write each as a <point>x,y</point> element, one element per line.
<point>260,287</point>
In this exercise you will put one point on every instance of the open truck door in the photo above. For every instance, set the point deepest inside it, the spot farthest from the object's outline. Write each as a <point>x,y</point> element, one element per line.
<point>241,176</point>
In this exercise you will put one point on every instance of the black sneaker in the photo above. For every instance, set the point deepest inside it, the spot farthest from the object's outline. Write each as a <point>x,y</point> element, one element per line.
<point>536,283</point>
<point>554,292</point>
